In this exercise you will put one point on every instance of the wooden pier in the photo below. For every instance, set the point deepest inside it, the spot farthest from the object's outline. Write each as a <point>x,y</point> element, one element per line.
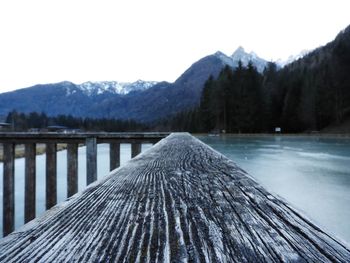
<point>180,201</point>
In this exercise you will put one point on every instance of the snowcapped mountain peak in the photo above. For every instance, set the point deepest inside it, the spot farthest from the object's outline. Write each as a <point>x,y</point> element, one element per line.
<point>138,85</point>
<point>253,54</point>
<point>292,58</point>
<point>226,60</point>
<point>239,52</point>
<point>241,55</point>
<point>96,88</point>
<point>93,88</point>
<point>219,53</point>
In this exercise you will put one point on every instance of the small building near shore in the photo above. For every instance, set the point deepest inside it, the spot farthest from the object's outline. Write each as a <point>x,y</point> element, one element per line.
<point>62,129</point>
<point>57,128</point>
<point>278,130</point>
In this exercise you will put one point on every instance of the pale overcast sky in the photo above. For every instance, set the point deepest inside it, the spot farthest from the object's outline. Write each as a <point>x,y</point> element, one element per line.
<point>44,41</point>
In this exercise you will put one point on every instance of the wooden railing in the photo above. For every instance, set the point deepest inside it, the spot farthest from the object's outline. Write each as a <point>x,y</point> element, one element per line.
<point>9,141</point>
<point>179,202</point>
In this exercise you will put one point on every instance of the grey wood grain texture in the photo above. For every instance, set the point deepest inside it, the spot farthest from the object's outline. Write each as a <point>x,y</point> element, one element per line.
<point>180,201</point>
<point>72,169</point>
<point>9,188</point>
<point>102,137</point>
<point>30,182</point>
<point>51,175</point>
<point>114,156</point>
<point>135,149</point>
<point>91,160</point>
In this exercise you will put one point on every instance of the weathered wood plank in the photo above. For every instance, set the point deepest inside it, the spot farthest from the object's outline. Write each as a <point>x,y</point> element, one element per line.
<point>114,156</point>
<point>102,137</point>
<point>30,181</point>
<point>9,188</point>
<point>51,175</point>
<point>180,202</point>
<point>135,149</point>
<point>91,160</point>
<point>72,169</point>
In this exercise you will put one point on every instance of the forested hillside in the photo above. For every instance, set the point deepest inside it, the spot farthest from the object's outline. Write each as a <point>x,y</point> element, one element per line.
<point>307,95</point>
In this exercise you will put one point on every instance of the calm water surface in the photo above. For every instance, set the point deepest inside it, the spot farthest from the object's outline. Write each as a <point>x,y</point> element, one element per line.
<point>313,174</point>
<point>102,170</point>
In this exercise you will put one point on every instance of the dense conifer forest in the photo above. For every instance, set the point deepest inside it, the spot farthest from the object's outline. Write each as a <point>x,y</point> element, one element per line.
<point>34,120</point>
<point>305,96</point>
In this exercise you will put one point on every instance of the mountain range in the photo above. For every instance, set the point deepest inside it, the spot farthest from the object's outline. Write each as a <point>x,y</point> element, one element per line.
<point>310,93</point>
<point>143,101</point>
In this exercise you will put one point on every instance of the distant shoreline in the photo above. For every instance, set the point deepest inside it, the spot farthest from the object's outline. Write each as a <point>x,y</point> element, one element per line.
<point>310,135</point>
<point>40,149</point>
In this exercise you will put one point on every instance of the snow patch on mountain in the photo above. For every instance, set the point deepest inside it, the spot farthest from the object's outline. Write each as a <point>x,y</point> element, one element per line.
<point>92,88</point>
<point>292,58</point>
<point>241,55</point>
<point>226,60</point>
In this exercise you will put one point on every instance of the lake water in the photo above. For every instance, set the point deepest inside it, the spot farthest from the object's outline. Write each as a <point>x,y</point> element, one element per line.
<point>313,174</point>
<point>102,170</point>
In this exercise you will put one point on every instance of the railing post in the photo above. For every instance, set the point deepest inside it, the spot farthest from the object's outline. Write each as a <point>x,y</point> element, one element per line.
<point>29,195</point>
<point>9,188</point>
<point>72,169</point>
<point>135,149</point>
<point>91,160</point>
<point>114,156</point>
<point>51,174</point>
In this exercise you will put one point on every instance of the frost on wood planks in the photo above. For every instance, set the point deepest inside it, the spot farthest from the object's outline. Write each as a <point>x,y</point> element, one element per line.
<point>179,201</point>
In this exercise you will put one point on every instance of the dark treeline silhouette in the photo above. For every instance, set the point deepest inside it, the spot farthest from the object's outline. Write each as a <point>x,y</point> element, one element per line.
<point>232,102</point>
<point>26,121</point>
<point>307,95</point>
